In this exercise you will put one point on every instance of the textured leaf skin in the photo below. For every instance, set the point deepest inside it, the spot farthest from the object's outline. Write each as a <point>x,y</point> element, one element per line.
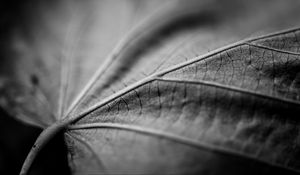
<point>171,94</point>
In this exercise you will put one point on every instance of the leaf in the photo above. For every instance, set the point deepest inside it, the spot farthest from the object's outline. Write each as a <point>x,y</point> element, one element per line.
<point>151,87</point>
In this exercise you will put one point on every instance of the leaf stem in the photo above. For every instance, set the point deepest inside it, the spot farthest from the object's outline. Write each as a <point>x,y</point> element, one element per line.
<point>46,135</point>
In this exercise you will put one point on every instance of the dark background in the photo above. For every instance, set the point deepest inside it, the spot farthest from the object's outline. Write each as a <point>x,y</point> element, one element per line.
<point>17,138</point>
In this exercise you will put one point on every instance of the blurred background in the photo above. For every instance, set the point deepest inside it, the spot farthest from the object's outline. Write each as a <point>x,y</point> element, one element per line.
<point>17,138</point>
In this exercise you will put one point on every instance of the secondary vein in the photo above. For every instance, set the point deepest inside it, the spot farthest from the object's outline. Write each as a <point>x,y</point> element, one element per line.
<point>173,137</point>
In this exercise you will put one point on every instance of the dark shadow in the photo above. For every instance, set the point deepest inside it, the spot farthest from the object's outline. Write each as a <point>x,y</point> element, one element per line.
<point>16,140</point>
<point>288,74</point>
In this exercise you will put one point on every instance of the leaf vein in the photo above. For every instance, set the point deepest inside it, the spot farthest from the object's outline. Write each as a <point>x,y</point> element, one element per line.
<point>176,138</point>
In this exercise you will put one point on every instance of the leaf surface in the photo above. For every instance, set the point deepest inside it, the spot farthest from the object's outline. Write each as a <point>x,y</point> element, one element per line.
<point>146,87</point>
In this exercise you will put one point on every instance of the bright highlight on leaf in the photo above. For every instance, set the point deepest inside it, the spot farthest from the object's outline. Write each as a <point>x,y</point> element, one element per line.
<point>152,87</point>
